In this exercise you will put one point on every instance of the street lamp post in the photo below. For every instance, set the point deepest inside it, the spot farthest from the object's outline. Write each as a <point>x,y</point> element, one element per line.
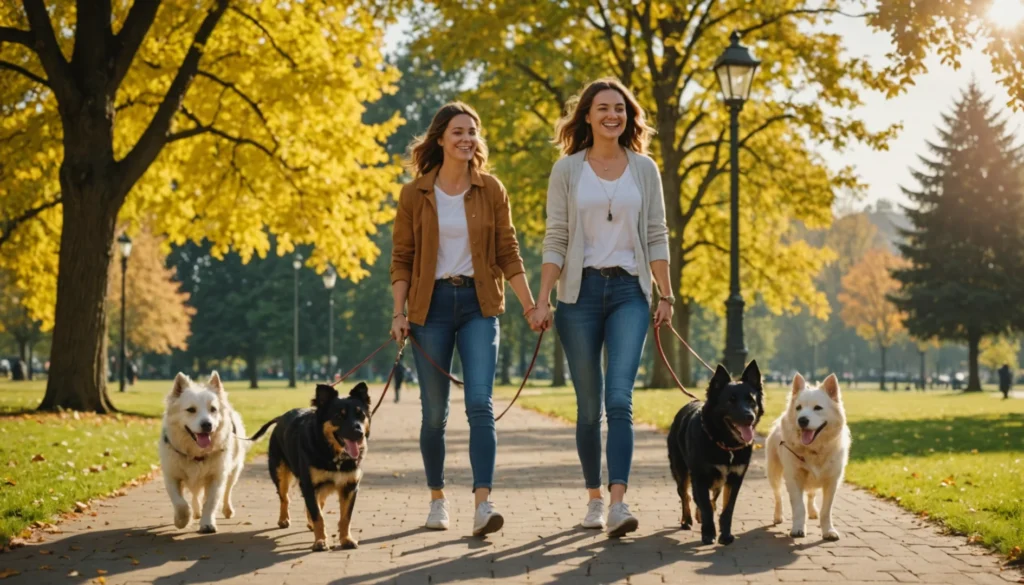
<point>125,244</point>
<point>330,277</point>
<point>735,70</point>
<point>296,264</point>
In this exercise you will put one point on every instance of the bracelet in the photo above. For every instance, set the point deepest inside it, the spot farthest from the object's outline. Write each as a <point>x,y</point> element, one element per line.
<point>397,315</point>
<point>530,310</point>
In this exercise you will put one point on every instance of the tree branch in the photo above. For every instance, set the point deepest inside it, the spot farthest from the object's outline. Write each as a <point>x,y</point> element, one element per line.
<point>25,72</point>
<point>778,17</point>
<point>252,103</point>
<point>155,136</point>
<point>201,128</point>
<point>129,38</point>
<point>270,37</point>
<point>9,225</point>
<point>17,36</point>
<point>765,125</point>
<point>57,69</point>
<point>543,81</point>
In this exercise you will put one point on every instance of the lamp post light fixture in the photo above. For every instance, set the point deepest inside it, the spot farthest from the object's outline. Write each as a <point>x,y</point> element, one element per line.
<point>330,278</point>
<point>125,244</point>
<point>297,265</point>
<point>735,70</point>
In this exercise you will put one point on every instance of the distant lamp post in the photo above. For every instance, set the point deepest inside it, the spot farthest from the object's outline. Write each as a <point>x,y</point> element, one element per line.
<point>330,278</point>
<point>125,244</point>
<point>296,264</point>
<point>735,69</point>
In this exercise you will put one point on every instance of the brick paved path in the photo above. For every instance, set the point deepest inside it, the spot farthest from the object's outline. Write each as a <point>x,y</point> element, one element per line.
<point>539,490</point>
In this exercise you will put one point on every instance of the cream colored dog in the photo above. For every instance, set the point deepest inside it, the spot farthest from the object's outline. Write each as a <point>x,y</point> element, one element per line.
<point>808,447</point>
<point>202,449</point>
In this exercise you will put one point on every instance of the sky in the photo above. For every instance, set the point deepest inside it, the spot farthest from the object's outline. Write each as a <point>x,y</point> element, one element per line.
<point>919,108</point>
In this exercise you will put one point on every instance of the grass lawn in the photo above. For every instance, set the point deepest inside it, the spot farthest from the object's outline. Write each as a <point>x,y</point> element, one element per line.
<point>959,458</point>
<point>49,462</point>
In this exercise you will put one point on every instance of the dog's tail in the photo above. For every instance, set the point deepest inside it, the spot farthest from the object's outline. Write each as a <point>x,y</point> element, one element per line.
<point>263,429</point>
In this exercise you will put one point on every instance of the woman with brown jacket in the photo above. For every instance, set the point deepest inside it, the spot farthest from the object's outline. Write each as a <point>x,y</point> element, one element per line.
<point>454,246</point>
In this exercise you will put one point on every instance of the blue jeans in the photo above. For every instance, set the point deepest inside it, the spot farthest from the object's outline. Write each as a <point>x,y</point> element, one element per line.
<point>610,312</point>
<point>454,320</point>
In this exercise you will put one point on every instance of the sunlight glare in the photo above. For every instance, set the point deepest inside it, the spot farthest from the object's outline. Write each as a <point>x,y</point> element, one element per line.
<point>1006,13</point>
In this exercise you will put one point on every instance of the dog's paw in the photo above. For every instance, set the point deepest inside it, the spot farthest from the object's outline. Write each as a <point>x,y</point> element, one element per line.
<point>228,511</point>
<point>797,533</point>
<point>684,526</point>
<point>831,534</point>
<point>197,513</point>
<point>726,539</point>
<point>812,514</point>
<point>319,546</point>
<point>708,539</point>
<point>348,544</point>
<point>208,528</point>
<point>182,516</point>
<point>309,526</point>
<point>777,520</point>
<point>284,523</point>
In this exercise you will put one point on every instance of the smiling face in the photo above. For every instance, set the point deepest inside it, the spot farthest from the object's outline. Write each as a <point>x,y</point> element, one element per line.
<point>460,139</point>
<point>736,407</point>
<point>816,412</point>
<point>196,408</point>
<point>344,422</point>
<point>607,116</point>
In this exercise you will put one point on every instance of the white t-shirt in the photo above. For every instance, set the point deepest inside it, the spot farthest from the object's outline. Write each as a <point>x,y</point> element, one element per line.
<point>454,258</point>
<point>608,243</point>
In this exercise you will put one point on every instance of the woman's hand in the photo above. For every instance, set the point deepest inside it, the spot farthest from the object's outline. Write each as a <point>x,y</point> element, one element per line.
<point>400,328</point>
<point>540,317</point>
<point>663,314</point>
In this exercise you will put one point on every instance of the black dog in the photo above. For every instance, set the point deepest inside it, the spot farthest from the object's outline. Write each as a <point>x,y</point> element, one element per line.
<point>322,447</point>
<point>709,448</point>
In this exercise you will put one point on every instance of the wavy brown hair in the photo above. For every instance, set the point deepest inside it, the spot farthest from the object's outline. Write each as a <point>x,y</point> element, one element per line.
<point>426,153</point>
<point>573,133</point>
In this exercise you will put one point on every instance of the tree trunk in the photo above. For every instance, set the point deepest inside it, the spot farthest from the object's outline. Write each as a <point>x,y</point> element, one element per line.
<point>973,380</point>
<point>882,373</point>
<point>79,348</point>
<point>558,367</point>
<point>923,374</point>
<point>28,362</point>
<point>252,365</point>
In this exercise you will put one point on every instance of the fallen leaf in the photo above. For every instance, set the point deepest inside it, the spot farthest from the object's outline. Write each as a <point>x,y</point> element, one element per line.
<point>38,457</point>
<point>45,568</point>
<point>12,463</point>
<point>8,573</point>
<point>135,562</point>
<point>10,481</point>
<point>81,507</point>
<point>204,557</point>
<point>76,547</point>
<point>17,543</point>
<point>73,574</point>
<point>100,572</point>
<point>974,451</point>
<point>101,580</point>
<point>46,552</point>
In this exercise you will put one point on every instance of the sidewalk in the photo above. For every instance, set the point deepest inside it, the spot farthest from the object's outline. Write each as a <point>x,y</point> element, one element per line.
<point>538,488</point>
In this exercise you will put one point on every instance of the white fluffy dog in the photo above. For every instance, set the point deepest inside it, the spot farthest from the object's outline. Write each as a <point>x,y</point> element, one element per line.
<point>808,447</point>
<point>202,448</point>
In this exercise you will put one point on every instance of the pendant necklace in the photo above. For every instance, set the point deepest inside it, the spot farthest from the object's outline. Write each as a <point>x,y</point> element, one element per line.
<point>600,181</point>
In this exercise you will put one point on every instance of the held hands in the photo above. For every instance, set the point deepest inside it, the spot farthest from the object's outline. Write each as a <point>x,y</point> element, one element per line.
<point>539,317</point>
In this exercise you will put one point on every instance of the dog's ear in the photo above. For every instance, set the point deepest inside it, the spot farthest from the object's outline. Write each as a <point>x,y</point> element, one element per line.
<point>752,374</point>
<point>720,380</point>
<point>181,382</point>
<point>325,395</point>
<point>831,387</point>
<point>215,384</point>
<point>361,392</point>
<point>798,384</point>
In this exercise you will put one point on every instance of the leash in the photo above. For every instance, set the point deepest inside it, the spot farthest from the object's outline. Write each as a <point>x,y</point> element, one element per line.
<point>536,350</point>
<point>664,358</point>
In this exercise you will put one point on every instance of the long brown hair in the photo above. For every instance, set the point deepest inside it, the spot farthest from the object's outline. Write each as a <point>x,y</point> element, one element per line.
<point>425,152</point>
<point>573,134</point>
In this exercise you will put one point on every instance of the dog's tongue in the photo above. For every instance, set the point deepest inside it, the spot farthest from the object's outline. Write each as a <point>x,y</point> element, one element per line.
<point>352,448</point>
<point>807,436</point>
<point>203,440</point>
<point>747,432</point>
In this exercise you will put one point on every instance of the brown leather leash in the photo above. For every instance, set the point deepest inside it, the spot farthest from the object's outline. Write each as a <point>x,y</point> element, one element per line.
<point>536,350</point>
<point>664,358</point>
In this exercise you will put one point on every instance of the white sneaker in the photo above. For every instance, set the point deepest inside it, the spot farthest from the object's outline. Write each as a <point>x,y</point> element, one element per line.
<point>438,517</point>
<point>620,521</point>
<point>595,514</point>
<point>487,519</point>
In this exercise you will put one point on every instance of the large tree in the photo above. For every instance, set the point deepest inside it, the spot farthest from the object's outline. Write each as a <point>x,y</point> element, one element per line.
<point>532,57</point>
<point>966,245</point>
<point>212,118</point>
<point>867,307</point>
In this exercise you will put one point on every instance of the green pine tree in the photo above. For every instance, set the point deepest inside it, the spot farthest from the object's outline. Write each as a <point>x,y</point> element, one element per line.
<point>966,245</point>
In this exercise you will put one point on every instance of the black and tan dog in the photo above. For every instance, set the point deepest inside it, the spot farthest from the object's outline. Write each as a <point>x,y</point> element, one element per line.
<point>709,448</point>
<point>321,447</point>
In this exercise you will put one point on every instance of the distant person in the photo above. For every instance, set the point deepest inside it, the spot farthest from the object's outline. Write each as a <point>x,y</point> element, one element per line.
<point>1005,380</point>
<point>399,378</point>
<point>133,373</point>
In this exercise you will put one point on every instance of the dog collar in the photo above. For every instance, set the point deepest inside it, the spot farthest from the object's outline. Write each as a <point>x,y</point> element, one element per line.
<point>800,457</point>
<point>720,444</point>
<point>167,441</point>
